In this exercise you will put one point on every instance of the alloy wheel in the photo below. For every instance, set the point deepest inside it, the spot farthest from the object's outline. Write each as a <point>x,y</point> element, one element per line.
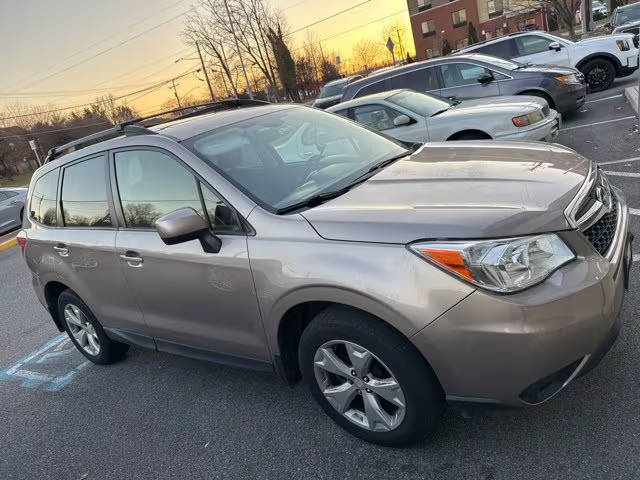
<point>82,330</point>
<point>597,77</point>
<point>359,385</point>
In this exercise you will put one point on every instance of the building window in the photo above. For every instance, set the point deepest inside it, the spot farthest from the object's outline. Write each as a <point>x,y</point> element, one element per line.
<point>462,43</point>
<point>432,53</point>
<point>428,28</point>
<point>494,8</point>
<point>459,18</point>
<point>424,5</point>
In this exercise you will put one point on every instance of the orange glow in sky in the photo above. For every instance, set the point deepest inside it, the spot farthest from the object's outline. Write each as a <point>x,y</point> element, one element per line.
<point>69,52</point>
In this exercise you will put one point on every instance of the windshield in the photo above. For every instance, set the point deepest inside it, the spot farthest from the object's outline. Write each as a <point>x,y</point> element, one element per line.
<point>420,103</point>
<point>333,89</point>
<point>628,14</point>
<point>288,156</point>
<point>498,62</point>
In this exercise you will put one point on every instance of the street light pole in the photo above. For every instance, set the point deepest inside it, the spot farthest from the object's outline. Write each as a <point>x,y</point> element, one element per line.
<point>235,37</point>
<point>206,75</point>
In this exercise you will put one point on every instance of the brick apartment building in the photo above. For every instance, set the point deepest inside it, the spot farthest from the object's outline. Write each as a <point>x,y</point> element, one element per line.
<point>432,21</point>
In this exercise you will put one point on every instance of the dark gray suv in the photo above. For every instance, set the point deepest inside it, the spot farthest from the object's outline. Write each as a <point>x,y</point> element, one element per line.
<point>462,77</point>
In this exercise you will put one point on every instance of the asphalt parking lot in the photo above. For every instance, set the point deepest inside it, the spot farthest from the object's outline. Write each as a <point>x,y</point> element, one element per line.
<point>160,416</point>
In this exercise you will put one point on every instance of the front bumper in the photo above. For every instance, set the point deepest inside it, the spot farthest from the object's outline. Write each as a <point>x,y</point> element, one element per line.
<point>629,66</point>
<point>570,97</point>
<point>497,348</point>
<point>547,130</point>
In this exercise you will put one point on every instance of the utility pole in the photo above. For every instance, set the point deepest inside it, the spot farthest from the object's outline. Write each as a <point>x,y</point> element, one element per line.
<point>235,37</point>
<point>175,92</point>
<point>400,44</point>
<point>206,75</point>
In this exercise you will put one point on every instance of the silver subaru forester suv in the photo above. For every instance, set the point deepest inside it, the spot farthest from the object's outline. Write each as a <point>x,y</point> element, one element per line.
<point>391,278</point>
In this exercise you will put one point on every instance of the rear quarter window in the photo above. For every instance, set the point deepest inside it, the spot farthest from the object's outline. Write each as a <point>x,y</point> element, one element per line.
<point>42,205</point>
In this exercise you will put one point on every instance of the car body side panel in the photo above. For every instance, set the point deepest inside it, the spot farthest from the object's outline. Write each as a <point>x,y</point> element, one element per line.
<point>291,264</point>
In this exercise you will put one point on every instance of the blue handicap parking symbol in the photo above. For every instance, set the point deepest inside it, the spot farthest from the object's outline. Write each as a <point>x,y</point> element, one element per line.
<point>50,367</point>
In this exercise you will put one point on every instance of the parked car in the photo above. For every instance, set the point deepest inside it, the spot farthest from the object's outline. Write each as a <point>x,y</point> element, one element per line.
<point>419,117</point>
<point>11,208</point>
<point>632,27</point>
<point>281,237</point>
<point>475,75</point>
<point>598,7</point>
<point>625,14</point>
<point>600,59</point>
<point>331,93</point>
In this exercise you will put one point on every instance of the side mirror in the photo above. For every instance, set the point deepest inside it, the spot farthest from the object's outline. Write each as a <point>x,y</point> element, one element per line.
<point>184,225</point>
<point>485,78</point>
<point>555,46</point>
<point>401,120</point>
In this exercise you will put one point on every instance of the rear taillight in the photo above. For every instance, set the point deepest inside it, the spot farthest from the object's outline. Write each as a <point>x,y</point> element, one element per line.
<point>21,238</point>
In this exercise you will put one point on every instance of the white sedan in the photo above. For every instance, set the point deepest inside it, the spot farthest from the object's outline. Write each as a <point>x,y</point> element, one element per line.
<point>417,117</point>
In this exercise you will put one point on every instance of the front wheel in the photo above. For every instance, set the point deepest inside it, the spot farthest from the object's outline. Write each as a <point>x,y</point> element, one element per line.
<point>368,378</point>
<point>599,74</point>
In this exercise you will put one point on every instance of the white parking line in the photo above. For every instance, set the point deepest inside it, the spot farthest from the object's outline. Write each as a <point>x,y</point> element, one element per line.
<point>599,123</point>
<point>624,160</point>
<point>634,211</point>
<point>636,257</point>
<point>603,99</point>
<point>622,174</point>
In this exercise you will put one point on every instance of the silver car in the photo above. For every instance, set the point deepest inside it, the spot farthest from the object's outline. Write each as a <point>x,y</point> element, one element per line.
<point>287,239</point>
<point>11,208</point>
<point>417,117</point>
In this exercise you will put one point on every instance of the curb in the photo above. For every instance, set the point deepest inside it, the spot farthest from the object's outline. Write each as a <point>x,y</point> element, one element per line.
<point>631,94</point>
<point>8,244</point>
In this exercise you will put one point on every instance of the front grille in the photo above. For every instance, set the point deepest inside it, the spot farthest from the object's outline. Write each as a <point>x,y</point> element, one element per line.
<point>601,233</point>
<point>546,110</point>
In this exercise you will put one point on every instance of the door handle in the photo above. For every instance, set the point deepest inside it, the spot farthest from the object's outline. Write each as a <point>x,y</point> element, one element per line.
<point>62,250</point>
<point>133,259</point>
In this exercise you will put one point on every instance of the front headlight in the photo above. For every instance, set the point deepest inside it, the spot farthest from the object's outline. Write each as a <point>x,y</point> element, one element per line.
<point>528,119</point>
<point>569,78</point>
<point>502,265</point>
<point>623,45</point>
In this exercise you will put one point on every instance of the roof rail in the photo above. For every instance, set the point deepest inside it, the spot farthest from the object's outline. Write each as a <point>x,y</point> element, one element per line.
<point>133,127</point>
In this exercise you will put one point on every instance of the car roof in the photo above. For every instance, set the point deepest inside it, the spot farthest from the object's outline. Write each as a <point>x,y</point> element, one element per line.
<point>341,80</point>
<point>470,48</point>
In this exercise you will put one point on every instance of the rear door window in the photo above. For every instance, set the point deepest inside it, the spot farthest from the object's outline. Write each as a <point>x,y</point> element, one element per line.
<point>42,206</point>
<point>84,194</point>
<point>503,49</point>
<point>423,80</point>
<point>377,87</point>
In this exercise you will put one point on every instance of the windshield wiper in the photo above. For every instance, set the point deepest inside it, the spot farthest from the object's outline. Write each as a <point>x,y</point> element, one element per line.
<point>320,198</point>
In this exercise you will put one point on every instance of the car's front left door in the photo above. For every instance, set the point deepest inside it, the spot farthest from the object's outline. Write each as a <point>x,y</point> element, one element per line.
<point>382,118</point>
<point>461,81</point>
<point>195,303</point>
<point>535,49</point>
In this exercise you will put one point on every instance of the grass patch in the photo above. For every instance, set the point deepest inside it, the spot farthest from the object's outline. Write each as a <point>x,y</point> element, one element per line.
<point>19,181</point>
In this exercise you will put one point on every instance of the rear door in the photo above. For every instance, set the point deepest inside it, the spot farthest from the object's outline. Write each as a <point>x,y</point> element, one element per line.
<point>85,245</point>
<point>8,212</point>
<point>195,303</point>
<point>535,49</point>
<point>461,81</point>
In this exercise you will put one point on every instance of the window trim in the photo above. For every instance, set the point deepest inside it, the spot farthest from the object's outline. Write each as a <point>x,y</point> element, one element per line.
<point>63,168</point>
<point>476,65</point>
<point>29,200</point>
<point>247,228</point>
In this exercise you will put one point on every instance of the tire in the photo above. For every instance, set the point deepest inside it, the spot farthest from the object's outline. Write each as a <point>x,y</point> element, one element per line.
<point>470,136</point>
<point>390,353</point>
<point>109,351</point>
<point>599,74</point>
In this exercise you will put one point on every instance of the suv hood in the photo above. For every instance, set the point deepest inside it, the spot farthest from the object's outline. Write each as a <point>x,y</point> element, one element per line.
<point>607,38</point>
<point>476,189</point>
<point>499,105</point>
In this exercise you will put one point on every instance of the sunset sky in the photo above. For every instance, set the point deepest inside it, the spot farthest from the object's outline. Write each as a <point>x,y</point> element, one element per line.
<point>67,52</point>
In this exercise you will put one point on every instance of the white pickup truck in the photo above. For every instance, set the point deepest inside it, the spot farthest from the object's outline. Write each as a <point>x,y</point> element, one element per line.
<point>600,59</point>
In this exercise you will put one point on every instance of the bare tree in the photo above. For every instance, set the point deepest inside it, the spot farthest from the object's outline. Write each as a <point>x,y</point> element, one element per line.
<point>565,10</point>
<point>397,32</point>
<point>284,61</point>
<point>366,53</point>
